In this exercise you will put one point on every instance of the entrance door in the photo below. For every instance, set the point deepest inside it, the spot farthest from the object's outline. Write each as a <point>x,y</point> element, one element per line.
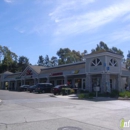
<point>96,82</point>
<point>78,83</point>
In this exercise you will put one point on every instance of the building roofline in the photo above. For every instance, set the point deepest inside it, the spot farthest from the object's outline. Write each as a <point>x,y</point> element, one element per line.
<point>59,66</point>
<point>109,53</point>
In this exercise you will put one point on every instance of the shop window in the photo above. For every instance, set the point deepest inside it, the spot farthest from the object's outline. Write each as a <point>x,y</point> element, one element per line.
<point>96,62</point>
<point>60,82</point>
<point>53,83</point>
<point>78,83</point>
<point>84,85</point>
<point>113,62</point>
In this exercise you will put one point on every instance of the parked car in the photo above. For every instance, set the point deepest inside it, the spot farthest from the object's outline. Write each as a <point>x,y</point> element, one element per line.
<point>58,89</point>
<point>43,87</point>
<point>23,87</point>
<point>31,88</point>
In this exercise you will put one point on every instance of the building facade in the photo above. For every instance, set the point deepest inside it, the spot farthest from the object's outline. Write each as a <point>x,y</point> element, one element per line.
<point>104,70</point>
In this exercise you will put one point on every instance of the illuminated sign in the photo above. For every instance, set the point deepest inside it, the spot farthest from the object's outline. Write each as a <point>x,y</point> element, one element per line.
<point>56,74</point>
<point>75,72</point>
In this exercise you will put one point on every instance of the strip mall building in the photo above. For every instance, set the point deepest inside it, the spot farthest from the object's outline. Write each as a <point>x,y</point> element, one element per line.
<point>99,69</point>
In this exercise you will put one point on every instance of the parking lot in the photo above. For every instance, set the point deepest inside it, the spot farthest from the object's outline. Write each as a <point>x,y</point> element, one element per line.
<point>30,111</point>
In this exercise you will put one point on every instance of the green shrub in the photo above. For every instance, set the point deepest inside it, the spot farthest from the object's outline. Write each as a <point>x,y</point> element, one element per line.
<point>72,91</point>
<point>124,94</point>
<point>66,91</point>
<point>83,95</point>
<point>128,94</point>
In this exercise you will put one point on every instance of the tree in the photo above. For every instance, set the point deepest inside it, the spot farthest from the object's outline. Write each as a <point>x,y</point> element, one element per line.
<point>41,61</point>
<point>101,47</point>
<point>63,55</point>
<point>128,60</point>
<point>67,56</point>
<point>47,61</point>
<point>7,61</point>
<point>1,53</point>
<point>83,54</point>
<point>23,60</point>
<point>54,61</point>
<point>116,50</point>
<point>22,63</point>
<point>128,55</point>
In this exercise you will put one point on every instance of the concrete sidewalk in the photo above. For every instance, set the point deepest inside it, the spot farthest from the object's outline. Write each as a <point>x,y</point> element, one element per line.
<point>72,96</point>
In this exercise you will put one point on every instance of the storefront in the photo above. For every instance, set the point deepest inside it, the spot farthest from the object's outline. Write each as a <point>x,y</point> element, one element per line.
<point>101,69</point>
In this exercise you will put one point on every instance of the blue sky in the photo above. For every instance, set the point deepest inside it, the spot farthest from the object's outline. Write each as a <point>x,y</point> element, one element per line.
<point>38,27</point>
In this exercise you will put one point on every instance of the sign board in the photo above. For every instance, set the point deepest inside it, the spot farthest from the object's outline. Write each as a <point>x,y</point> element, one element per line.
<point>56,74</point>
<point>108,68</point>
<point>96,88</point>
<point>75,72</point>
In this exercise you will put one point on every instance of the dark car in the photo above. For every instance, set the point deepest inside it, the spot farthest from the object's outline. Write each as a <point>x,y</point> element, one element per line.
<point>31,88</point>
<point>43,87</point>
<point>58,89</point>
<point>23,87</point>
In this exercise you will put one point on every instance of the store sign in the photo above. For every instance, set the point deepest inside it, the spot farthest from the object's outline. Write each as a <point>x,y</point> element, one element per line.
<point>56,74</point>
<point>29,72</point>
<point>75,72</point>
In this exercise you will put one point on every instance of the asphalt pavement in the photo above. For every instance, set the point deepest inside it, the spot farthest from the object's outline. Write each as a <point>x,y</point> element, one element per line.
<point>30,111</point>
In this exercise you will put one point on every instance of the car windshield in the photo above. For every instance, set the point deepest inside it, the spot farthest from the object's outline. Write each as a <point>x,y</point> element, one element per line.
<point>32,86</point>
<point>57,86</point>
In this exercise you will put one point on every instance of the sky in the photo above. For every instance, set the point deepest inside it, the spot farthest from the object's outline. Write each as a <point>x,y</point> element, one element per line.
<point>41,27</point>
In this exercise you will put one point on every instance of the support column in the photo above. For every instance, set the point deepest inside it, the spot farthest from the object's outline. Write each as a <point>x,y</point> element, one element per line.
<point>35,82</point>
<point>15,84</point>
<point>73,83</point>
<point>48,80</point>
<point>88,82</point>
<point>129,82</point>
<point>8,85</point>
<point>24,81</point>
<point>118,86</point>
<point>65,79</point>
<point>103,83</point>
<point>108,82</point>
<point>38,80</point>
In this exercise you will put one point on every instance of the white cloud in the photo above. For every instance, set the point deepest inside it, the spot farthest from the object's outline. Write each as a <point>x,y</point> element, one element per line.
<point>121,36</point>
<point>8,1</point>
<point>74,23</point>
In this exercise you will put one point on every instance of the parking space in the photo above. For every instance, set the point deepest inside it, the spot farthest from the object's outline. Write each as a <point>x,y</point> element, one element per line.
<point>23,110</point>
